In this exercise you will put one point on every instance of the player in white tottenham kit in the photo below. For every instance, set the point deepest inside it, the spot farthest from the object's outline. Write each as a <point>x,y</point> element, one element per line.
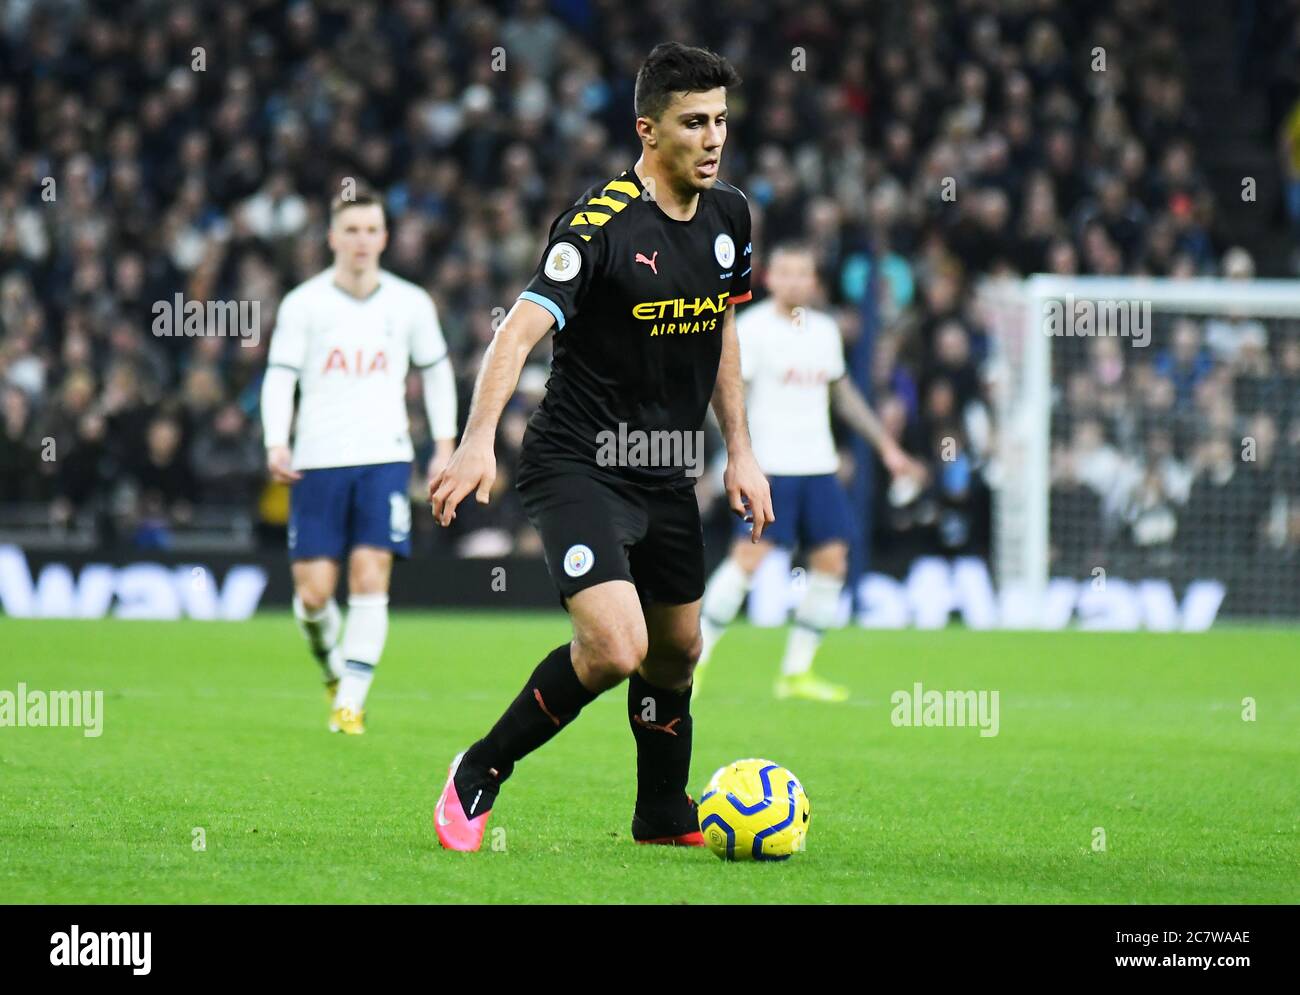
<point>792,359</point>
<point>347,337</point>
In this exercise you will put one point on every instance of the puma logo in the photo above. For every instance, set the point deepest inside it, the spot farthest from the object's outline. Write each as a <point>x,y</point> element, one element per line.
<point>640,258</point>
<point>667,727</point>
<point>537,694</point>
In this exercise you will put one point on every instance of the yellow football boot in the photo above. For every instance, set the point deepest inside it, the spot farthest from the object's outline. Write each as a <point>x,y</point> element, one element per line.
<point>348,720</point>
<point>810,687</point>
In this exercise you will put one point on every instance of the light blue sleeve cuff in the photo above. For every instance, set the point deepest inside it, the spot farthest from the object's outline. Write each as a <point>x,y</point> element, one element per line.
<point>528,295</point>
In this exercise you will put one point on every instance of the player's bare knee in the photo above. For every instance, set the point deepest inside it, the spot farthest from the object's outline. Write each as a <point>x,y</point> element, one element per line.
<point>671,663</point>
<point>748,555</point>
<point>368,575</point>
<point>832,559</point>
<point>313,597</point>
<point>625,654</point>
<point>690,650</point>
<point>610,654</point>
<point>674,658</point>
<point>368,581</point>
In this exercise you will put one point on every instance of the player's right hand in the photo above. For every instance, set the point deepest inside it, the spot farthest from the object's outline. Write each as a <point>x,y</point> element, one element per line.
<point>279,463</point>
<point>472,467</point>
<point>899,464</point>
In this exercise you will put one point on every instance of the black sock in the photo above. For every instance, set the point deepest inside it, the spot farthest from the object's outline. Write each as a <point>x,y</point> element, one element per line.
<point>551,698</point>
<point>661,725</point>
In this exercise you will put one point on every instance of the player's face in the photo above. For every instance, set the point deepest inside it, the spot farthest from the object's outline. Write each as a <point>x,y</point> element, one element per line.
<point>690,136</point>
<point>792,278</point>
<point>358,237</point>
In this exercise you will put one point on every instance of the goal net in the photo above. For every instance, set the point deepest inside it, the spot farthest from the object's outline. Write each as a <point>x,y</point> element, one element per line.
<point>1146,467</point>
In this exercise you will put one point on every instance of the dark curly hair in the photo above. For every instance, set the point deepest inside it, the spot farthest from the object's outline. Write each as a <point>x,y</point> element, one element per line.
<point>676,68</point>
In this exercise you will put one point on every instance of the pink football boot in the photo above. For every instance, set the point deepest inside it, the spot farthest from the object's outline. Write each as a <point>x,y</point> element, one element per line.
<point>456,830</point>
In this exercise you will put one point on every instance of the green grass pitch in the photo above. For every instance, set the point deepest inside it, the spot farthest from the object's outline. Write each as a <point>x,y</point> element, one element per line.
<point>221,727</point>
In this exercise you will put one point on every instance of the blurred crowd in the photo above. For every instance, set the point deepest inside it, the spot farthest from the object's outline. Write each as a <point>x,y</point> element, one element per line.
<point>155,148</point>
<point>1268,58</point>
<point>1183,456</point>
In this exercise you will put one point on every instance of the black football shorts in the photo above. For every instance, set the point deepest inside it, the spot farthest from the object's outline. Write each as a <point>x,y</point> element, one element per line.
<point>595,529</point>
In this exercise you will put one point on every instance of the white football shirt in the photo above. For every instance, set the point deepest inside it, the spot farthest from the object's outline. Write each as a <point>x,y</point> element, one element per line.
<point>789,366</point>
<point>351,357</point>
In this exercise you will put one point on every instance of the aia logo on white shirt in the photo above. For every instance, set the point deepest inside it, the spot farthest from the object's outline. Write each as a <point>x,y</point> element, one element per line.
<point>805,378</point>
<point>355,364</point>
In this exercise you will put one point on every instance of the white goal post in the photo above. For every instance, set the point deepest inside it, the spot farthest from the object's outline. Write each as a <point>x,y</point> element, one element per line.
<point>1141,482</point>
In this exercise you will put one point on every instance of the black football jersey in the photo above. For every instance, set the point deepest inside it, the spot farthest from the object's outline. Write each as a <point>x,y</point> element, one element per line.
<point>638,300</point>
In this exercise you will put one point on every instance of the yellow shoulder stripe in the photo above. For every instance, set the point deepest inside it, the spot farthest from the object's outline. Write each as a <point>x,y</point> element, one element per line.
<point>622,186</point>
<point>595,219</point>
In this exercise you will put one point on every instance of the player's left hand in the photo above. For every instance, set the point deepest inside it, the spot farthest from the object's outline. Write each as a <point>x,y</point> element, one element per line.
<point>442,450</point>
<point>748,493</point>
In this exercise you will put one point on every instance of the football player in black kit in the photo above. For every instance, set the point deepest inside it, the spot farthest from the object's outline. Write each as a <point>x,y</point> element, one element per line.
<point>639,280</point>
